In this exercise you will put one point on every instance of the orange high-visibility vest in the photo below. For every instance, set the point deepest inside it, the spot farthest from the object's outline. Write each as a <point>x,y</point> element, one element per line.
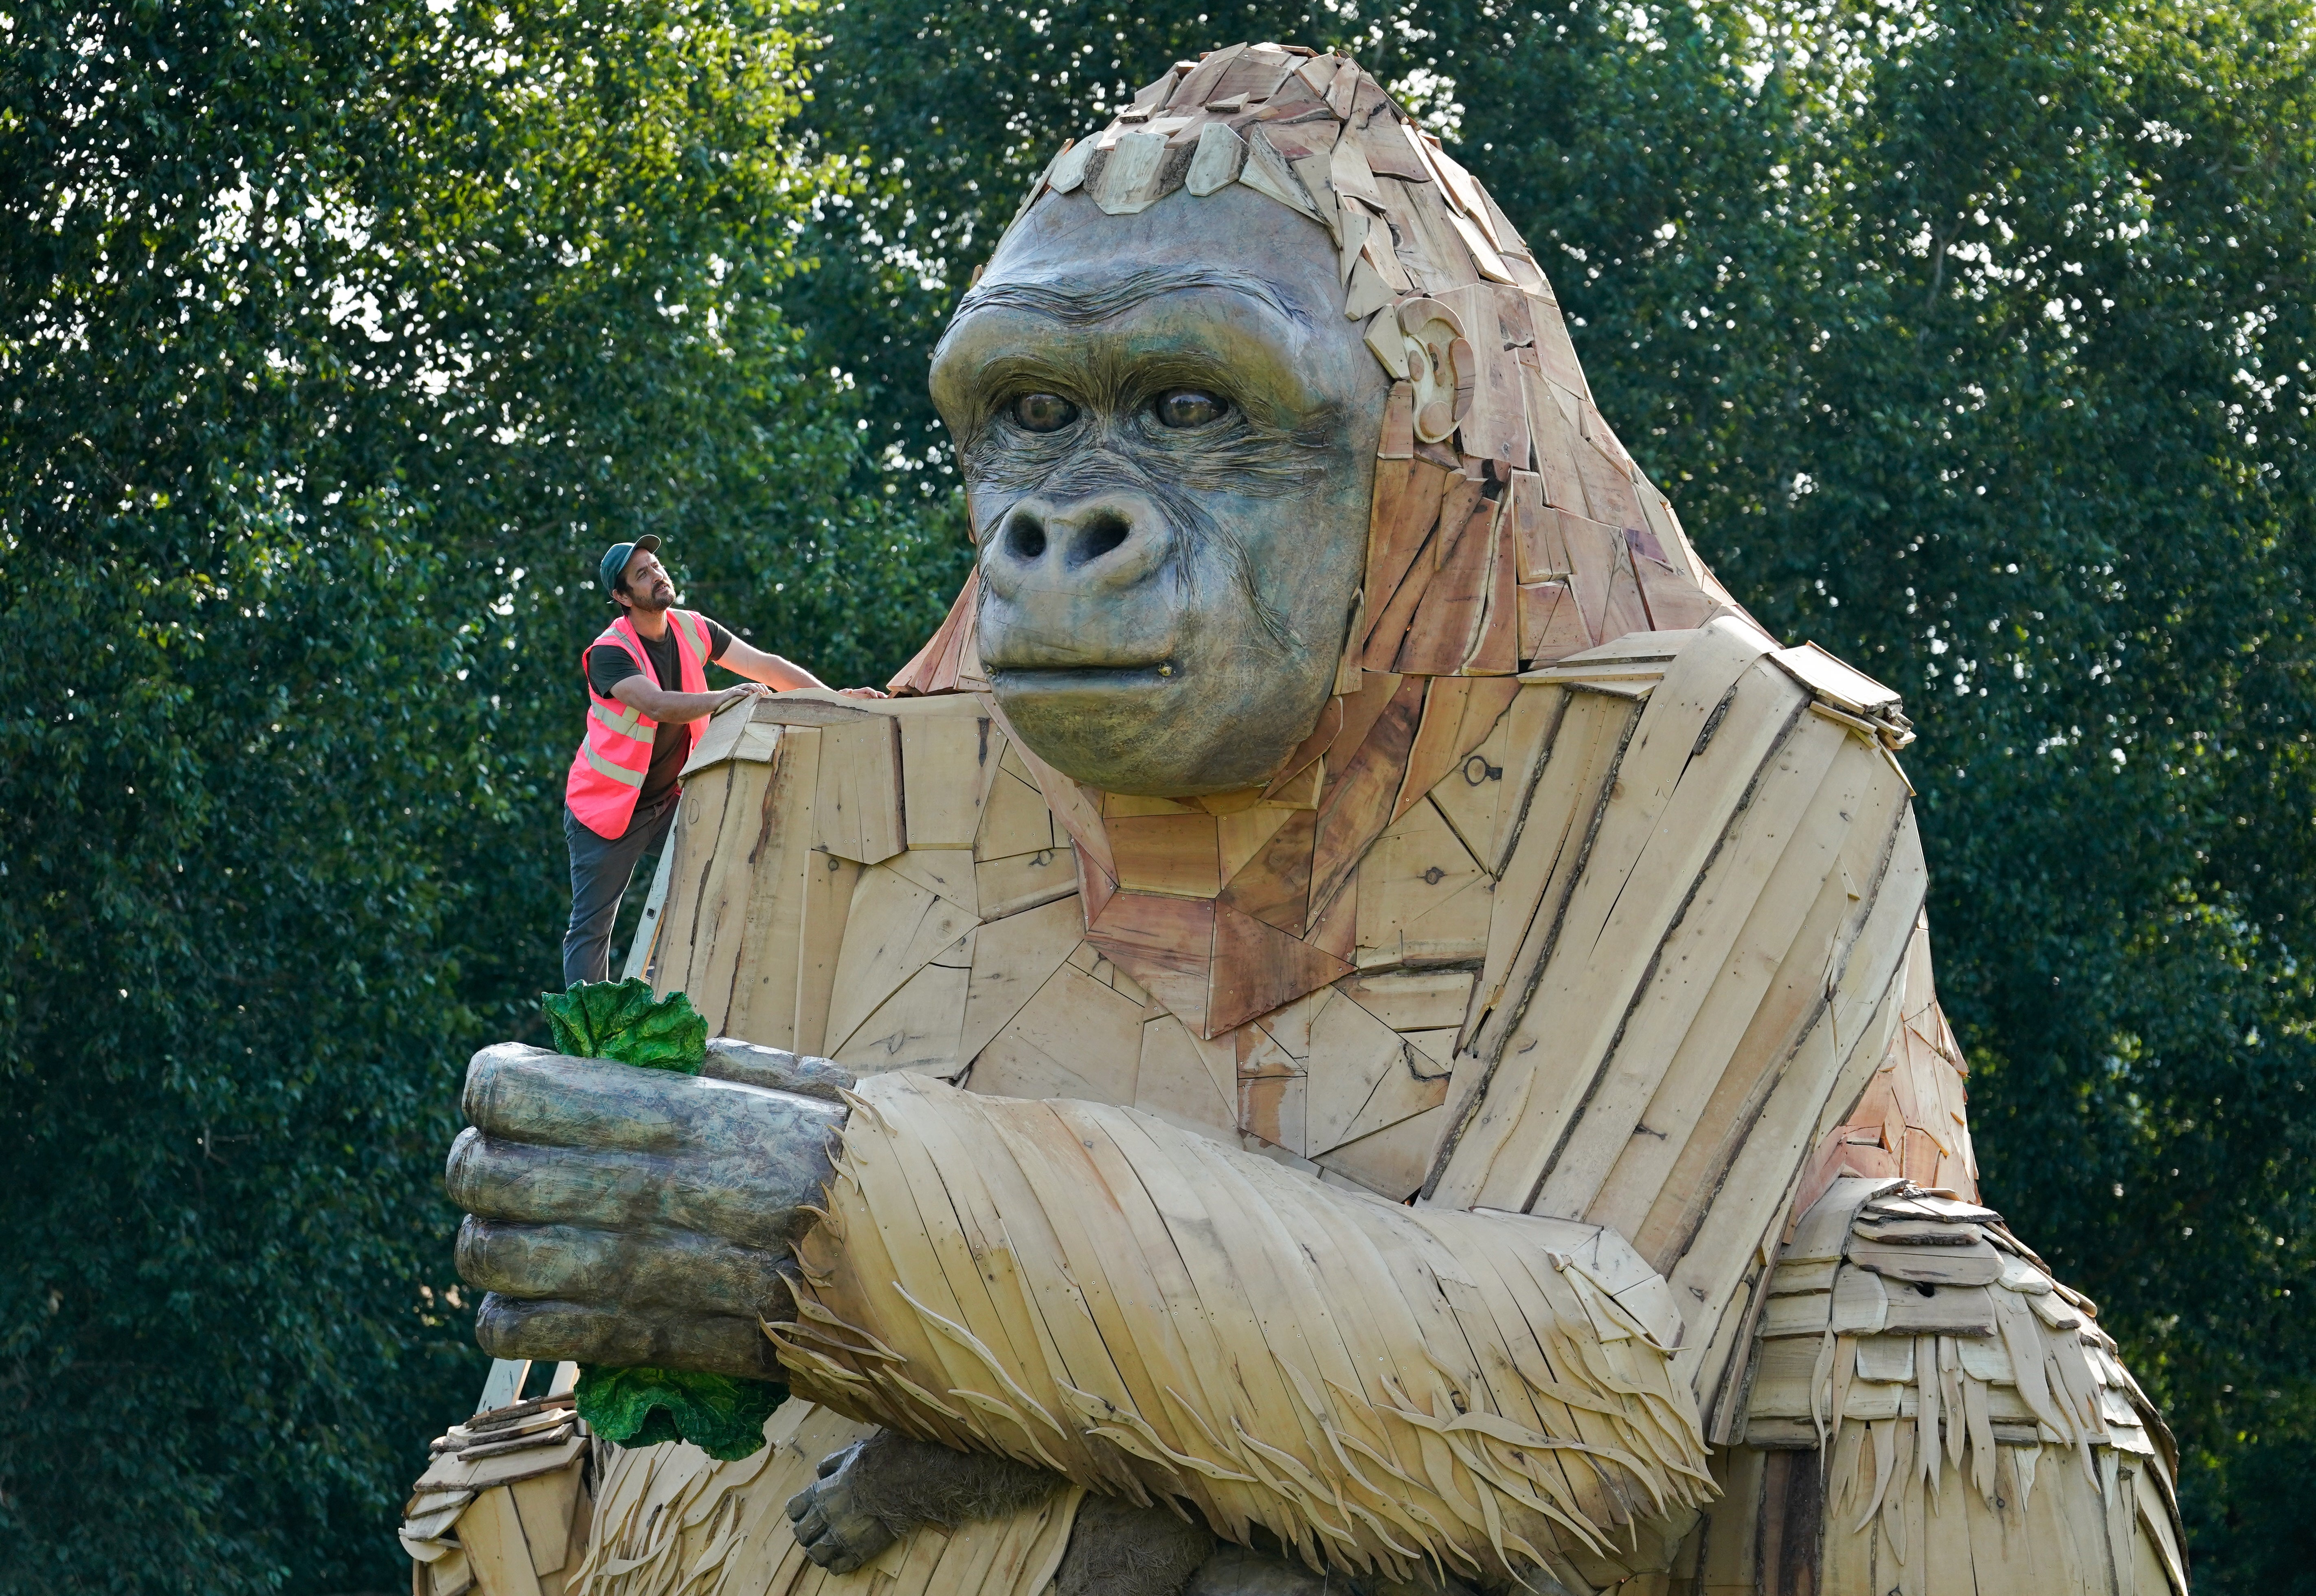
<point>608,771</point>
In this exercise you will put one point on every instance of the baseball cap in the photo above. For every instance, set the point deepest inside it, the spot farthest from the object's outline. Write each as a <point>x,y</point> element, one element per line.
<point>615,558</point>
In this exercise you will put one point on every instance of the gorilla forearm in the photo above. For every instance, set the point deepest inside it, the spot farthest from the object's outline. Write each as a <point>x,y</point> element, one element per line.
<point>1145,1312</point>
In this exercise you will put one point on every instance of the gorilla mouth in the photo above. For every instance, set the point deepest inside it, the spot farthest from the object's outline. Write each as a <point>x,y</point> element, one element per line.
<point>1078,678</point>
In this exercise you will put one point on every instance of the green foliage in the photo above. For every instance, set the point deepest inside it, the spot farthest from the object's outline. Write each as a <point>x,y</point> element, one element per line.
<point>643,1407</point>
<point>1975,343</point>
<point>622,1020</point>
<point>647,1407</point>
<point>336,340</point>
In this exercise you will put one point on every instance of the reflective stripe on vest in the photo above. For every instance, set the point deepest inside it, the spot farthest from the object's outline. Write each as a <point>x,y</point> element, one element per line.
<point>613,759</point>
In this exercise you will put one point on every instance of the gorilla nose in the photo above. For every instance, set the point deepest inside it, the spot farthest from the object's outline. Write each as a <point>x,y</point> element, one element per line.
<point>1092,547</point>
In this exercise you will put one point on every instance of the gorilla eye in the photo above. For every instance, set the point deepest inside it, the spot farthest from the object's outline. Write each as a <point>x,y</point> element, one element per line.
<point>1188,407</point>
<point>1043,412</point>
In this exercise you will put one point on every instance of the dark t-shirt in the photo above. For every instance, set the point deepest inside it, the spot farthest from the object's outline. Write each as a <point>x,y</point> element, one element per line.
<point>609,664</point>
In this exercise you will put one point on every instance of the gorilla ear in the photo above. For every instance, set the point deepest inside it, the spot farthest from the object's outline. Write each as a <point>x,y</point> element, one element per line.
<point>1440,364</point>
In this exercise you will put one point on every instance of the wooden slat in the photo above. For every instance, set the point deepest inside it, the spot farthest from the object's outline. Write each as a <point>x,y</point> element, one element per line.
<point>1445,624</point>
<point>857,804</point>
<point>1163,942</point>
<point>1074,1038</point>
<point>1407,882</point>
<point>1755,1192</point>
<point>1357,806</point>
<point>829,884</point>
<point>1176,854</point>
<point>945,872</point>
<point>1021,881</point>
<point>1761,713</point>
<point>916,1027</point>
<point>949,757</point>
<point>1791,842</point>
<point>1553,828</point>
<point>1012,958</point>
<point>1256,967</point>
<point>1185,1079</point>
<point>1614,916</point>
<point>894,928</point>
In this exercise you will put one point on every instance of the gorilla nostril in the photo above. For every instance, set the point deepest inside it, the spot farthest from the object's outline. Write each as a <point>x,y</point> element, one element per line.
<point>1103,533</point>
<point>1025,538</point>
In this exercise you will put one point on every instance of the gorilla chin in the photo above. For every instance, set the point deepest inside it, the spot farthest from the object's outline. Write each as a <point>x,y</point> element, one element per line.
<point>1135,730</point>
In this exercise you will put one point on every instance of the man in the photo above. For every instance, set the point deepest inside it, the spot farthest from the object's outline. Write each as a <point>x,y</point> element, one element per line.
<point>621,794</point>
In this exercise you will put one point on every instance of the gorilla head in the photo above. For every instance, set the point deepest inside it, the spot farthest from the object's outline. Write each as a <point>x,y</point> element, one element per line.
<point>1261,393</point>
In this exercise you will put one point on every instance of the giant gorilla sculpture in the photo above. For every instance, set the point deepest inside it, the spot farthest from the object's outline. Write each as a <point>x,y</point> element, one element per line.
<point>1453,1094</point>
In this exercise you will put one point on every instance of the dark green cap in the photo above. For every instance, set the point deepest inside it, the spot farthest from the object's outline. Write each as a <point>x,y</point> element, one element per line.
<point>615,558</point>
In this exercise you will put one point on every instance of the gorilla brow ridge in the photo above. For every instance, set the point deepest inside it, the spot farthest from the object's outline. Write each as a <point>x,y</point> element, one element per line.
<point>1081,308</point>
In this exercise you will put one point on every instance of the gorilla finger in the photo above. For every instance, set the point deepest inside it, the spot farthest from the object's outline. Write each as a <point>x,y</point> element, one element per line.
<point>527,1094</point>
<point>589,1333</point>
<point>755,1200</point>
<point>650,1269</point>
<point>522,1094</point>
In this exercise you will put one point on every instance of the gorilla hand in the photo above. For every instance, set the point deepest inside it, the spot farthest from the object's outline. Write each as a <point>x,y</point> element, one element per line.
<point>630,1215</point>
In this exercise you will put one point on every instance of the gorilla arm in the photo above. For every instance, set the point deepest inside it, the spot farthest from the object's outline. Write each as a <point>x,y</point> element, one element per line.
<point>1147,1312</point>
<point>1088,1289</point>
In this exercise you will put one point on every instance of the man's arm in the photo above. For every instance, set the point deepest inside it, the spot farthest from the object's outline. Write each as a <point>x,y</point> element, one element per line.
<point>640,693</point>
<point>781,675</point>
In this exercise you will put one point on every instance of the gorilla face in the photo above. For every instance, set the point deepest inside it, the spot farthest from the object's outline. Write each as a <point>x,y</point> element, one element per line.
<point>1168,433</point>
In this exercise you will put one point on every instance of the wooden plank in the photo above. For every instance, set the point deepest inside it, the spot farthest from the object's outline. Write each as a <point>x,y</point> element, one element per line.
<point>1555,825</point>
<point>1025,880</point>
<point>1014,818</point>
<point>1390,1163</point>
<point>895,927</point>
<point>1416,868</point>
<point>946,761</point>
<point>1496,427</point>
<point>1538,553</point>
<point>1255,968</point>
<point>828,887</point>
<point>491,1531</point>
<point>1551,623</point>
<point>1792,841</point>
<point>1356,807</point>
<point>945,872</point>
<point>1614,916</point>
<point>1164,943</point>
<point>1413,1000</point>
<point>1755,1192</point>
<point>856,804</point>
<point>1175,854</point>
<point>1446,623</point>
<point>1761,715</point>
<point>1350,1052</point>
<point>1556,442</point>
<point>717,931</point>
<point>1012,958</point>
<point>916,1027</point>
<point>1185,1079</point>
<point>1405,506</point>
<point>1074,1038</point>
<point>547,1504</point>
<point>765,973</point>
<point>1769,1019</point>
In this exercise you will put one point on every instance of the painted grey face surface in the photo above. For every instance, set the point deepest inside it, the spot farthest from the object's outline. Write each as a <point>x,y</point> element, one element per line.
<point>1168,433</point>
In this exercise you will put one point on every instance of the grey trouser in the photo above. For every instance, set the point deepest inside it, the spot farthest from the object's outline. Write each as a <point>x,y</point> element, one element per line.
<point>600,869</point>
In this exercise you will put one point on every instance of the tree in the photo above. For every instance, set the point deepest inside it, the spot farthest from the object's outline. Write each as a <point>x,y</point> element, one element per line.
<point>336,340</point>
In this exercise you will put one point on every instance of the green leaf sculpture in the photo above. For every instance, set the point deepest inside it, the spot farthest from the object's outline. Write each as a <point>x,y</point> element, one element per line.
<point>622,1020</point>
<point>724,1417</point>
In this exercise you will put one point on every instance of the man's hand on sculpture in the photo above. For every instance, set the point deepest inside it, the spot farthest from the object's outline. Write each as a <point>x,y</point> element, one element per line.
<point>631,1216</point>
